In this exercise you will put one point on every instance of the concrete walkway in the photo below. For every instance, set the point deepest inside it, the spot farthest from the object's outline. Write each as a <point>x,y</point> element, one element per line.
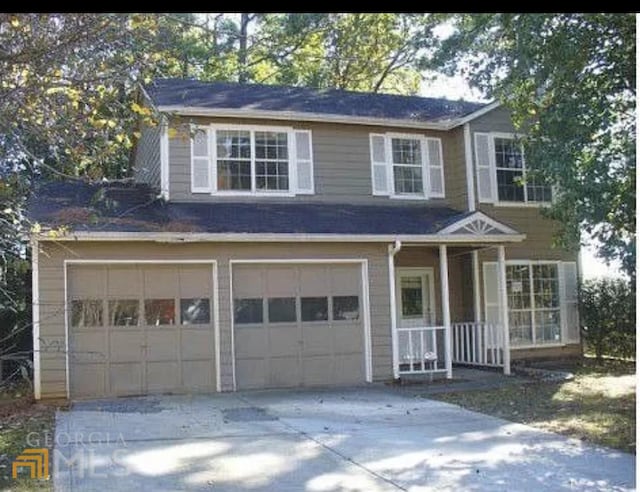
<point>369,439</point>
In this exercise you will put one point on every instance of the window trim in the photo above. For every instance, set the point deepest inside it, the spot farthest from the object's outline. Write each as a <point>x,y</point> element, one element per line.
<point>510,203</point>
<point>212,130</point>
<point>534,343</point>
<point>391,165</point>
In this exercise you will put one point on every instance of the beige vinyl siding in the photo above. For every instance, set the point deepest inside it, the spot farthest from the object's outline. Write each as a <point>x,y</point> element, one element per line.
<point>341,161</point>
<point>51,278</point>
<point>455,174</point>
<point>147,157</point>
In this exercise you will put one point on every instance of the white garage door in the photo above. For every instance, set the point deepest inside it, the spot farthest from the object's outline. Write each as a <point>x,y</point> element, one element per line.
<point>298,325</point>
<point>140,328</point>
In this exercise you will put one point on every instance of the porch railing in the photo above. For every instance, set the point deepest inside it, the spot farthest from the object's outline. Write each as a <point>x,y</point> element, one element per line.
<point>421,350</point>
<point>478,344</point>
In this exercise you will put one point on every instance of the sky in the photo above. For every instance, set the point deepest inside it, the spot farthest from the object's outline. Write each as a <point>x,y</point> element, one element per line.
<point>455,88</point>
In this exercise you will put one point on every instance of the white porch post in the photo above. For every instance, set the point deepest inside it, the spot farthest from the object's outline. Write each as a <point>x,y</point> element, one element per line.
<point>392,250</point>
<point>504,308</point>
<point>446,314</point>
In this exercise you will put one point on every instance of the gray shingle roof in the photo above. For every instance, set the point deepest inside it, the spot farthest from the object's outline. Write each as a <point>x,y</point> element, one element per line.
<point>226,95</point>
<point>132,207</point>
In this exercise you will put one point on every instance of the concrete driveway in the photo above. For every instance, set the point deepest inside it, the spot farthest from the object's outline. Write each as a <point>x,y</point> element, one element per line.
<point>359,439</point>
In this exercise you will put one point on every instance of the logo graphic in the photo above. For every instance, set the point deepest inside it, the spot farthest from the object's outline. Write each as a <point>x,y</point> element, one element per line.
<point>36,459</point>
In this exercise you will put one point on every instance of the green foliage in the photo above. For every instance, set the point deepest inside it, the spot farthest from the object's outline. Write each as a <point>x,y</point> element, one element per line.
<point>569,81</point>
<point>608,314</point>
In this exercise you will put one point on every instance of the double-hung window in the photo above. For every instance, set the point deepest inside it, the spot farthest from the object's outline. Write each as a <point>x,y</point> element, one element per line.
<point>251,160</point>
<point>406,166</point>
<point>501,172</point>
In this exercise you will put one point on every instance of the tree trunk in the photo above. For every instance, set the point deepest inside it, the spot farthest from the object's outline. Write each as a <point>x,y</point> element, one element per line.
<point>242,51</point>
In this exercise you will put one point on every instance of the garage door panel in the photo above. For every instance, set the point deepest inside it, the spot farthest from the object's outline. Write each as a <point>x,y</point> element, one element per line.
<point>349,369</point>
<point>198,376</point>
<point>250,341</point>
<point>88,347</point>
<point>197,344</point>
<point>123,282</point>
<point>345,280</point>
<point>348,338</point>
<point>308,352</point>
<point>284,372</point>
<point>252,373</point>
<point>248,282</point>
<point>162,345</point>
<point>317,370</point>
<point>87,283</point>
<point>195,281</point>
<point>142,346</point>
<point>162,376</point>
<point>88,380</point>
<point>317,338</point>
<point>160,282</point>
<point>283,340</point>
<point>126,346</point>
<point>125,379</point>
<point>281,282</point>
<point>315,281</point>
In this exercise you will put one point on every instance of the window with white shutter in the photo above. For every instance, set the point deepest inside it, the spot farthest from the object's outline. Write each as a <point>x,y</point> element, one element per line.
<point>304,162</point>
<point>200,160</point>
<point>406,166</point>
<point>251,160</point>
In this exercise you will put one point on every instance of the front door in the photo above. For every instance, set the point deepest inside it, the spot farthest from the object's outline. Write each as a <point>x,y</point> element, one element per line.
<point>415,297</point>
<point>417,346</point>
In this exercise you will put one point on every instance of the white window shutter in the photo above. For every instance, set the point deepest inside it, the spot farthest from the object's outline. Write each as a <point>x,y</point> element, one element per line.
<point>492,302</point>
<point>303,162</point>
<point>485,168</point>
<point>436,168</point>
<point>568,283</point>
<point>379,166</point>
<point>201,160</point>
<point>491,295</point>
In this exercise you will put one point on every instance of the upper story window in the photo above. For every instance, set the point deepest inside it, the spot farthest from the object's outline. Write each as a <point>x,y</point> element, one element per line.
<point>406,166</point>
<point>251,160</point>
<point>501,172</point>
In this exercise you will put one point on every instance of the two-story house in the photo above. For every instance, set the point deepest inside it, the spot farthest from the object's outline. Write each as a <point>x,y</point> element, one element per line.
<point>281,237</point>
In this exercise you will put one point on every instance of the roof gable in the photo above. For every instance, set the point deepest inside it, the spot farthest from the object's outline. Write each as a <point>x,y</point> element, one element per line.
<point>477,224</point>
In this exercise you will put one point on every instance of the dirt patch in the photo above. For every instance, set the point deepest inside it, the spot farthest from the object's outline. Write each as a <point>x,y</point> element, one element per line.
<point>23,424</point>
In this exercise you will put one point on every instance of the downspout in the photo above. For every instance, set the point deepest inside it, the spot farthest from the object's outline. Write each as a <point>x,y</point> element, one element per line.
<point>393,249</point>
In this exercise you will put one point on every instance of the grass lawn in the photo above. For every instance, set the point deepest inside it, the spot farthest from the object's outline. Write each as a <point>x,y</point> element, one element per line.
<point>19,416</point>
<point>598,405</point>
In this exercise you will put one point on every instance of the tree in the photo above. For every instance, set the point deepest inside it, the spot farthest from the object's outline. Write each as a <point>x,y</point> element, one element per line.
<point>569,81</point>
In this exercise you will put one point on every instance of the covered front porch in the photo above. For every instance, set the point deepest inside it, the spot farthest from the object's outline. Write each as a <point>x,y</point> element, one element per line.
<point>437,320</point>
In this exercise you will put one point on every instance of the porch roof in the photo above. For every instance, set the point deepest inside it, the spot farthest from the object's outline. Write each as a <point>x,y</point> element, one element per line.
<point>125,208</point>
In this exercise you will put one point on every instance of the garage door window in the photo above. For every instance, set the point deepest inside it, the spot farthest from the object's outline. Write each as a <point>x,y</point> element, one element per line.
<point>195,311</point>
<point>160,312</point>
<point>86,313</point>
<point>124,312</point>
<point>346,308</point>
<point>282,310</point>
<point>247,311</point>
<point>314,308</point>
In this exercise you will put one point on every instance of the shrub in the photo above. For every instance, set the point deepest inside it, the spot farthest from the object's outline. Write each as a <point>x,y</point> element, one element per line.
<point>608,315</point>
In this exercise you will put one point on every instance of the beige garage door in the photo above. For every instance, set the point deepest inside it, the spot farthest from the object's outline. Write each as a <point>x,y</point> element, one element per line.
<point>136,329</point>
<point>298,325</point>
